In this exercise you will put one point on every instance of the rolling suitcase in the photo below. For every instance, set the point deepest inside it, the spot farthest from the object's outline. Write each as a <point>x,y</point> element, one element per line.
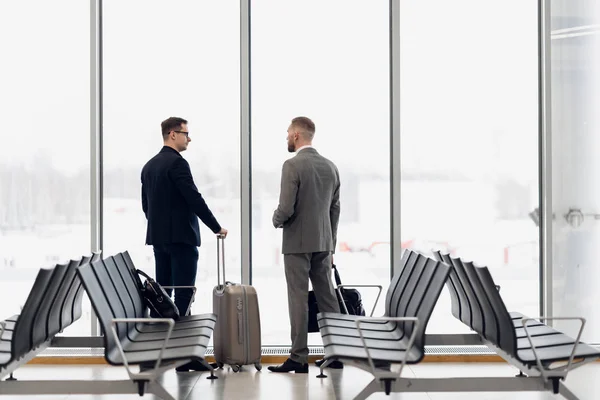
<point>236,338</point>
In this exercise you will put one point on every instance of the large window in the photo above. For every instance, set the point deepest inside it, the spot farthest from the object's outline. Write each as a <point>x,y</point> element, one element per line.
<point>328,61</point>
<point>162,59</point>
<point>44,156</point>
<point>469,139</point>
<point>575,80</point>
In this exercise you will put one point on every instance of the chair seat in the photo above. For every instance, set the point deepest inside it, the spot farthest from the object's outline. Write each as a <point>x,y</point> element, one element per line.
<point>196,317</point>
<point>342,317</point>
<point>541,330</point>
<point>341,351</point>
<point>134,346</point>
<point>349,322</point>
<point>550,344</point>
<point>4,358</point>
<point>176,334</point>
<point>378,344</point>
<point>341,339</point>
<point>113,357</point>
<point>517,319</point>
<point>557,353</point>
<point>155,340</point>
<point>330,330</point>
<point>5,346</point>
<point>200,320</point>
<point>544,341</point>
<point>518,323</point>
<point>6,340</point>
<point>10,324</point>
<point>7,336</point>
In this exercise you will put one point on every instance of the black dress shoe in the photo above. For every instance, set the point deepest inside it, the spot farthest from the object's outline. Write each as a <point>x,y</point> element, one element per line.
<point>290,365</point>
<point>333,365</point>
<point>147,366</point>
<point>194,366</point>
<point>383,365</point>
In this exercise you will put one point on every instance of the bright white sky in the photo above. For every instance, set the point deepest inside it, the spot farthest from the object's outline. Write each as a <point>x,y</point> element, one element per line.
<point>469,70</point>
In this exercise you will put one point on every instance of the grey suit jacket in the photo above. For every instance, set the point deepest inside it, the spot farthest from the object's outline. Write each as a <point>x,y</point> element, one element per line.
<point>309,203</point>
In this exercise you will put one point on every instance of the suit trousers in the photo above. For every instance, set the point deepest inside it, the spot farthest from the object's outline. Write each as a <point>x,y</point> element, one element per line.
<point>299,268</point>
<point>176,265</point>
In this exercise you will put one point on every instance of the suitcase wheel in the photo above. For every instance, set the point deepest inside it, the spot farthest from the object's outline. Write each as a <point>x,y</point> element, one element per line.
<point>258,366</point>
<point>236,368</point>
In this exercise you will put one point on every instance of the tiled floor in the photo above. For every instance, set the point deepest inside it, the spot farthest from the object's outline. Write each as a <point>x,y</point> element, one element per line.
<point>341,384</point>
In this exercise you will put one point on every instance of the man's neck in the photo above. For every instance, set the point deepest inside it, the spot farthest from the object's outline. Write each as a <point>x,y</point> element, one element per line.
<point>302,146</point>
<point>171,146</point>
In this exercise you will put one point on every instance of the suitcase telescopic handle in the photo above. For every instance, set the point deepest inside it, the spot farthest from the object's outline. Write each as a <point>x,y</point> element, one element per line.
<point>220,259</point>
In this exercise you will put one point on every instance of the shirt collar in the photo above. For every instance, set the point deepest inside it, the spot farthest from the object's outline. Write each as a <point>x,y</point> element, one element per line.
<point>167,149</point>
<point>304,147</point>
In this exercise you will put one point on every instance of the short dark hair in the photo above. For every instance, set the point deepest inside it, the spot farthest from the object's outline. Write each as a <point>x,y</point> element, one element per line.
<point>305,125</point>
<point>171,124</point>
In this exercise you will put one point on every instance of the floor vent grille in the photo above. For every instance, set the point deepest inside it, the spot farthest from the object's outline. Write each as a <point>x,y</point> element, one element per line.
<point>271,351</point>
<point>457,350</point>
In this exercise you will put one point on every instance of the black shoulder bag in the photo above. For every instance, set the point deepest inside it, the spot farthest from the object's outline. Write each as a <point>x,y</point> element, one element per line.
<point>157,298</point>
<point>350,297</point>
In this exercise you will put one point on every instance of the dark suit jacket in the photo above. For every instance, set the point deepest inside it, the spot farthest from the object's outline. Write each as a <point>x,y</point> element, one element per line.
<point>171,201</point>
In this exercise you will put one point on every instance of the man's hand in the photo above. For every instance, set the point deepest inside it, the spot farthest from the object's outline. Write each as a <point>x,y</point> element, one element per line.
<point>222,233</point>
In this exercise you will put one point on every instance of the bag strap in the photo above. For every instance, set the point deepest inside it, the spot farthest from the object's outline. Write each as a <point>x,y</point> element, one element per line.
<point>336,275</point>
<point>150,285</point>
<point>145,275</point>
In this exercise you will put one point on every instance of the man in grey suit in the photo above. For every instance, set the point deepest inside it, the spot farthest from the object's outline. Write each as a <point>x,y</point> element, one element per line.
<point>308,212</point>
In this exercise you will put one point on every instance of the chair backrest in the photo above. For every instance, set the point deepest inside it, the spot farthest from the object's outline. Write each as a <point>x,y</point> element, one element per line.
<point>120,288</point>
<point>423,291</point>
<point>490,325</point>
<point>456,303</point>
<point>39,332</point>
<point>61,314</point>
<point>506,332</point>
<point>78,300</point>
<point>399,281</point>
<point>114,301</point>
<point>130,283</point>
<point>100,302</point>
<point>132,269</point>
<point>476,320</point>
<point>21,339</point>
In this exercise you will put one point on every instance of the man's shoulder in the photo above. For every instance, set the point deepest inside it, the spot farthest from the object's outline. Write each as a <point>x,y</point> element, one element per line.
<point>292,162</point>
<point>167,156</point>
<point>324,159</point>
<point>163,160</point>
<point>309,157</point>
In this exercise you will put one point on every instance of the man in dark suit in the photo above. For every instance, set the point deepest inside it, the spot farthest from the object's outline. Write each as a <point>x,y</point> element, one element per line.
<point>172,205</point>
<point>308,212</point>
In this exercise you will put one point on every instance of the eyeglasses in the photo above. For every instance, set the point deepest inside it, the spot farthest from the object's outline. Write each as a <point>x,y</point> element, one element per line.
<point>184,132</point>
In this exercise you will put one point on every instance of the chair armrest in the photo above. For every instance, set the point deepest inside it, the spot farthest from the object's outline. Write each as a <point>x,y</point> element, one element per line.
<point>566,368</point>
<point>354,286</point>
<point>185,287</point>
<point>153,372</point>
<point>411,340</point>
<point>180,287</point>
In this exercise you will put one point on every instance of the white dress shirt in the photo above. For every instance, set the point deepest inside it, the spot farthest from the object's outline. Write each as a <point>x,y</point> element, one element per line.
<point>304,147</point>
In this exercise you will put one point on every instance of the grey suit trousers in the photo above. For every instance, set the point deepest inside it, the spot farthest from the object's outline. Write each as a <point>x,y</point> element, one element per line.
<point>298,269</point>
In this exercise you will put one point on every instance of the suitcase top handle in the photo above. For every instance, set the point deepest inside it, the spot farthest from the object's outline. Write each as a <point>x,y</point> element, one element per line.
<point>220,259</point>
